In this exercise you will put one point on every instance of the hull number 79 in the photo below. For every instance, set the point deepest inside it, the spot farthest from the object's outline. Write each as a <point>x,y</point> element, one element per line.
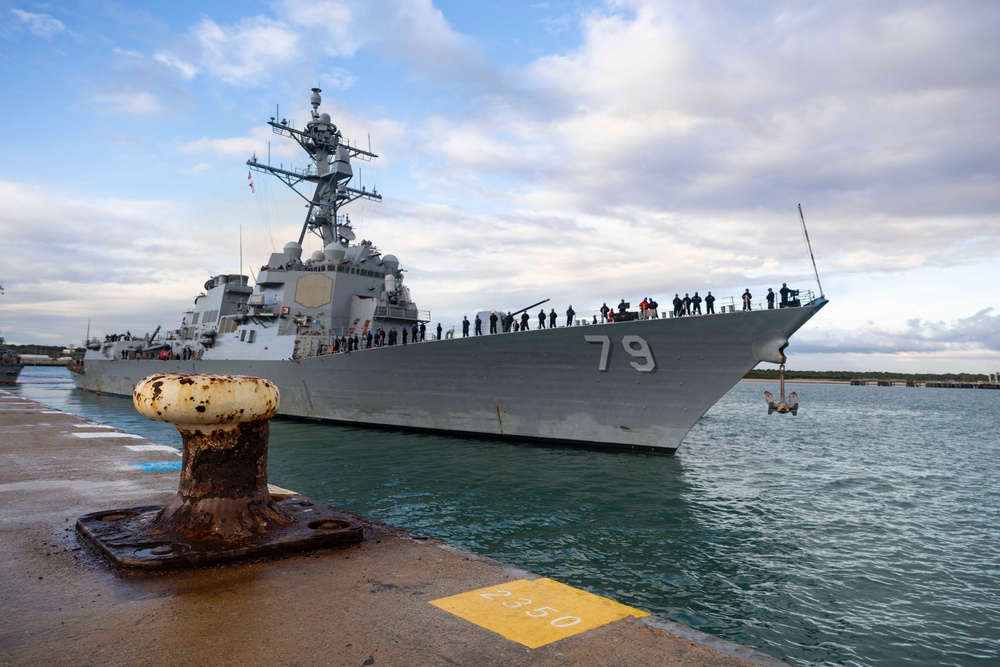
<point>635,346</point>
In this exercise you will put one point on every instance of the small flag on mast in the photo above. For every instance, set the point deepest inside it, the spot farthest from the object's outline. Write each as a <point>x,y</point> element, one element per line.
<point>250,178</point>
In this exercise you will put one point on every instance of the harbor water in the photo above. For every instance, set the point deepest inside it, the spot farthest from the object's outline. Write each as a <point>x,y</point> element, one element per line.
<point>863,531</point>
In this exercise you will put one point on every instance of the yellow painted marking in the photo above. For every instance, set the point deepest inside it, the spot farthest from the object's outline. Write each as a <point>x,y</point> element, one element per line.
<point>535,613</point>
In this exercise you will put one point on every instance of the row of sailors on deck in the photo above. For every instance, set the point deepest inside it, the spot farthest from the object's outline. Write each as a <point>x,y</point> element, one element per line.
<point>381,338</point>
<point>511,323</point>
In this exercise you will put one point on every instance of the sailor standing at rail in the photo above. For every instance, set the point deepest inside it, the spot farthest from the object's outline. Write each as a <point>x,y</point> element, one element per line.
<point>784,291</point>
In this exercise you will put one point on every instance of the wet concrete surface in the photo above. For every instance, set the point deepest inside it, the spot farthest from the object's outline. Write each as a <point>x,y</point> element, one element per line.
<point>358,605</point>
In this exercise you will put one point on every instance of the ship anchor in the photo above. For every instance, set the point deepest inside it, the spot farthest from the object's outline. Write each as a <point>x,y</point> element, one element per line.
<point>782,406</point>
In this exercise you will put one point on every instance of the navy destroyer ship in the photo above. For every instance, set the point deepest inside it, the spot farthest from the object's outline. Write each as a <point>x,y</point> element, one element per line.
<point>337,330</point>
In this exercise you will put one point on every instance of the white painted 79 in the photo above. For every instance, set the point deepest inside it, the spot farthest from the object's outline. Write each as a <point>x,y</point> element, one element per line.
<point>636,346</point>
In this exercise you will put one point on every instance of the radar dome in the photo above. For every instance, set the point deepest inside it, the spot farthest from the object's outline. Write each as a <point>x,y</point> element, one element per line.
<point>334,252</point>
<point>324,118</point>
<point>390,262</point>
<point>293,250</point>
<point>317,256</point>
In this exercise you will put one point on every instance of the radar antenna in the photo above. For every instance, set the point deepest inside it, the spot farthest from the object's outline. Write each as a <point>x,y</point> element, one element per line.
<point>330,172</point>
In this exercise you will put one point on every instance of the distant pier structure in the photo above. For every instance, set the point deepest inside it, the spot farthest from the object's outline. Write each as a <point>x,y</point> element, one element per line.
<point>43,360</point>
<point>992,383</point>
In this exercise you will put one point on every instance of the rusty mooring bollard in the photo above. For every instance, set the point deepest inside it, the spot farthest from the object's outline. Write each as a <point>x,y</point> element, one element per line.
<point>223,509</point>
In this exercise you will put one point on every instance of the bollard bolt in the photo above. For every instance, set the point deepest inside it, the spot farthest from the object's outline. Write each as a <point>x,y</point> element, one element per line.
<point>223,509</point>
<point>224,421</point>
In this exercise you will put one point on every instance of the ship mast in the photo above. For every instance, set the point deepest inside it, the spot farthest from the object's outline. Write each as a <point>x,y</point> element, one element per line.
<point>330,172</point>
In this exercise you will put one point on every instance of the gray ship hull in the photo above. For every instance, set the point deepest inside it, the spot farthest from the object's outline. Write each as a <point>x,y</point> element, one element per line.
<point>9,374</point>
<point>638,385</point>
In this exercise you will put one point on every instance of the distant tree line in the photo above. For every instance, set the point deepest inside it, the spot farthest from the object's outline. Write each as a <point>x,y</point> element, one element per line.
<point>846,376</point>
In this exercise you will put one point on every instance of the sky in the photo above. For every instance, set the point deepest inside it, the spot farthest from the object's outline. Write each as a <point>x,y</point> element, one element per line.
<point>581,151</point>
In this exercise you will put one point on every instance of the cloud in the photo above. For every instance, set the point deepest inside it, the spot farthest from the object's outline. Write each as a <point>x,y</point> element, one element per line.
<point>980,332</point>
<point>125,263</point>
<point>413,33</point>
<point>344,31</point>
<point>247,52</point>
<point>242,148</point>
<point>739,116</point>
<point>131,102</point>
<point>337,78</point>
<point>40,25</point>
<point>185,69</point>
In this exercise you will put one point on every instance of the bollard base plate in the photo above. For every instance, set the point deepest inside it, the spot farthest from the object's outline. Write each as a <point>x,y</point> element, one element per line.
<point>124,537</point>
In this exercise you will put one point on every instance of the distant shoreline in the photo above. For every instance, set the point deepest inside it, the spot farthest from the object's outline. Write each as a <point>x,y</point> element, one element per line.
<point>798,380</point>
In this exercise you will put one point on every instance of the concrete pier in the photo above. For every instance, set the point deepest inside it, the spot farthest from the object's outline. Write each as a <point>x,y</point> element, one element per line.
<point>394,599</point>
